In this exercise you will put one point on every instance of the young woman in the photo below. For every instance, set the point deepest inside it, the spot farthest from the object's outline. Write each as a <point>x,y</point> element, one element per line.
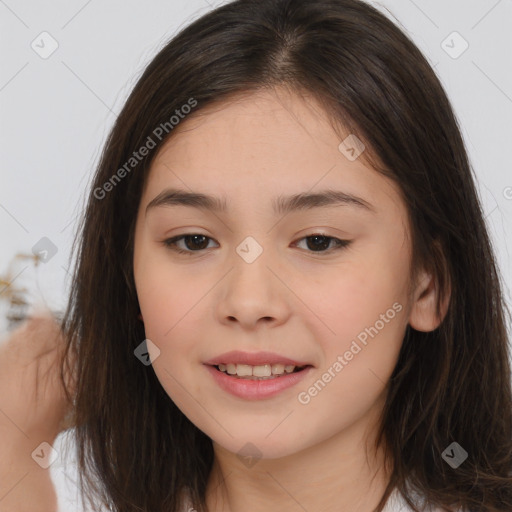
<point>284,223</point>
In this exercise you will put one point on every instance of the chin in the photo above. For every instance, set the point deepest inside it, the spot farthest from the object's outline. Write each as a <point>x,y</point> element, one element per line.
<point>259,446</point>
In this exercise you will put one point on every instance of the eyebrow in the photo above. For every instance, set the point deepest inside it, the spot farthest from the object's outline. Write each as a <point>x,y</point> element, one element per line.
<point>281,204</point>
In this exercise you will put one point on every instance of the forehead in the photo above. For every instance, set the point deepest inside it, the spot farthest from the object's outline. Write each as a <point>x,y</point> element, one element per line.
<point>272,126</point>
<point>258,146</point>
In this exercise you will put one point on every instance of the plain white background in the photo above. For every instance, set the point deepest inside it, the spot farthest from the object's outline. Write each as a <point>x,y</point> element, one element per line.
<point>56,112</point>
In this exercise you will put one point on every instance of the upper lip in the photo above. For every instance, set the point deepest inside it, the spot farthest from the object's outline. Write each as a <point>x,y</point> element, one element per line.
<point>253,359</point>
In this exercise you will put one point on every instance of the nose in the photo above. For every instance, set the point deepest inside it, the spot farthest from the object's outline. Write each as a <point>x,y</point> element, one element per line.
<point>252,294</point>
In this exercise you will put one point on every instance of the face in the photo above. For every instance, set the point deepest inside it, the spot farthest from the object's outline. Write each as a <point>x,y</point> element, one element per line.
<point>322,283</point>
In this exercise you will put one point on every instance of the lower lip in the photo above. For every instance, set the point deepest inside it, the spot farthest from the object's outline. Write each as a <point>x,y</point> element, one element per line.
<point>256,389</point>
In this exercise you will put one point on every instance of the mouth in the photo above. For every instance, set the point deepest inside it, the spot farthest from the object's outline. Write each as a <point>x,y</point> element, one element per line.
<point>258,372</point>
<point>258,382</point>
<point>256,375</point>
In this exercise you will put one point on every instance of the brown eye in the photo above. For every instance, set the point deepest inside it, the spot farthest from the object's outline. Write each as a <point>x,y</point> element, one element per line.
<point>194,242</point>
<point>322,243</point>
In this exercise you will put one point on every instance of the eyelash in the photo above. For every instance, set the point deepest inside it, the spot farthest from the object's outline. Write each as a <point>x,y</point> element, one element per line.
<point>171,243</point>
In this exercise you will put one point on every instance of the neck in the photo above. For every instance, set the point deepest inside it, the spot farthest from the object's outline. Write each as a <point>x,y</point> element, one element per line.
<point>339,474</point>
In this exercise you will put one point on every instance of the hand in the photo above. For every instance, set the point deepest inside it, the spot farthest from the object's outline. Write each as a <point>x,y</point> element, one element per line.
<point>32,397</point>
<point>33,409</point>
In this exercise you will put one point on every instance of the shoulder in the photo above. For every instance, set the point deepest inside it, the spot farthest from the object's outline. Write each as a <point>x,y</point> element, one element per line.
<point>186,504</point>
<point>396,503</point>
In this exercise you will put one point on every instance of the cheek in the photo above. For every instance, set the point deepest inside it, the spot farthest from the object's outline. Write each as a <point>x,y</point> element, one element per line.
<point>174,311</point>
<point>362,307</point>
<point>353,298</point>
<point>167,294</point>
<point>172,315</point>
<point>365,313</point>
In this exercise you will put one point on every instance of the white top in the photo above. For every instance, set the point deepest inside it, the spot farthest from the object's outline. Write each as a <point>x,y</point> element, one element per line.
<point>395,503</point>
<point>65,478</point>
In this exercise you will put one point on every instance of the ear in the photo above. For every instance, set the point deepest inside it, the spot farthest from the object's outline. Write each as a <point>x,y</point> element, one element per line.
<point>423,315</point>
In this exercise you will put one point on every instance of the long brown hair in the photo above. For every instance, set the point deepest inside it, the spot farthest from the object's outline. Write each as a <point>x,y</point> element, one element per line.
<point>136,449</point>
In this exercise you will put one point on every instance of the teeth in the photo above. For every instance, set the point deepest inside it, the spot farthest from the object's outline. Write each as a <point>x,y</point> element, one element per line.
<point>243,370</point>
<point>277,369</point>
<point>261,371</point>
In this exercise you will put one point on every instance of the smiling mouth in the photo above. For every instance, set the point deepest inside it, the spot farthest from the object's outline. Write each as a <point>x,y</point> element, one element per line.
<point>259,372</point>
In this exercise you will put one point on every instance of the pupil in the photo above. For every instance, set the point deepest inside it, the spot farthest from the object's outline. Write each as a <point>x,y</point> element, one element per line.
<point>322,238</point>
<point>320,242</point>
<point>194,238</point>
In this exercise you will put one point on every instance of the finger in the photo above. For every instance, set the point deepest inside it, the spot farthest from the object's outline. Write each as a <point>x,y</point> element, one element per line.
<point>36,337</point>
